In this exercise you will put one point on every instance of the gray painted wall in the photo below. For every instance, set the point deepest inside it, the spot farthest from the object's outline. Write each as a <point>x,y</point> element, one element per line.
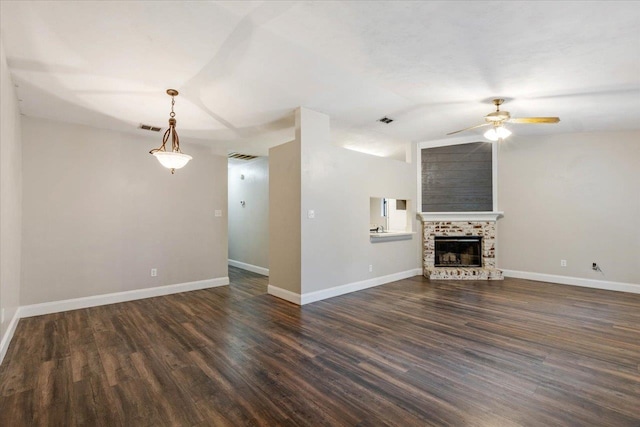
<point>375,213</point>
<point>99,212</point>
<point>249,224</point>
<point>574,197</point>
<point>337,184</point>
<point>10,196</point>
<point>284,217</point>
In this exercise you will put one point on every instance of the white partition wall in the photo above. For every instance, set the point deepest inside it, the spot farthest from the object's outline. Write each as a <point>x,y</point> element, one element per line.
<point>336,185</point>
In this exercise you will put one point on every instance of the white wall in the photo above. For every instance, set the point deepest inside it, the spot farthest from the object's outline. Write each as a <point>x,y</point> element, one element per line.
<point>375,213</point>
<point>398,219</point>
<point>284,217</point>
<point>337,184</point>
<point>574,197</point>
<point>10,197</point>
<point>99,212</point>
<point>249,224</point>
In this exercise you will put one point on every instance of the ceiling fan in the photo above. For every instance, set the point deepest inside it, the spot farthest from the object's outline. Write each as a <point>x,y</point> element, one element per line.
<point>498,118</point>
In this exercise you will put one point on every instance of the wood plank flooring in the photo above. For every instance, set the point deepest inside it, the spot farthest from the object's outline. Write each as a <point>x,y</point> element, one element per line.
<point>410,353</point>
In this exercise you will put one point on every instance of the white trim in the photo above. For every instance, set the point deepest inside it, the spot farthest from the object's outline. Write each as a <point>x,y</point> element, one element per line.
<point>494,175</point>
<point>8,335</point>
<point>452,140</point>
<point>249,267</point>
<point>116,297</point>
<point>340,290</point>
<point>574,281</point>
<point>389,236</point>
<point>283,294</point>
<point>358,286</point>
<point>418,206</point>
<point>460,216</point>
<point>457,140</point>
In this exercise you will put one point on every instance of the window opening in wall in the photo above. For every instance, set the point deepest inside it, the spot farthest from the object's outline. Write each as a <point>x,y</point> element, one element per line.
<point>389,215</point>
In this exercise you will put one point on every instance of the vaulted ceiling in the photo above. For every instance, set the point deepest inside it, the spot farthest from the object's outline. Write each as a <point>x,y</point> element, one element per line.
<point>243,67</point>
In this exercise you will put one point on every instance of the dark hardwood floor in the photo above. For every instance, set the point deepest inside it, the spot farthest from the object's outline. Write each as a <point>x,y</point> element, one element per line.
<point>410,353</point>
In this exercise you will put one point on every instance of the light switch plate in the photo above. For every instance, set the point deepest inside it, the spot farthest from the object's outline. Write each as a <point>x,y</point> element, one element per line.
<point>311,214</point>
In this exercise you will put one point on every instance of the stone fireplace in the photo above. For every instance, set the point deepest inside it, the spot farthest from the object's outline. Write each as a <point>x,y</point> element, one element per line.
<point>465,243</point>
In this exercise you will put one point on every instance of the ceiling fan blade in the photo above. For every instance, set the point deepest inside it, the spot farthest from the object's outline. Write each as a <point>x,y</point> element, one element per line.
<point>534,120</point>
<point>472,127</point>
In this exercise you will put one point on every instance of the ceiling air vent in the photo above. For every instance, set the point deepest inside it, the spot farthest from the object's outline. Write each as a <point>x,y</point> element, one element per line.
<point>241,156</point>
<point>386,120</point>
<point>149,127</point>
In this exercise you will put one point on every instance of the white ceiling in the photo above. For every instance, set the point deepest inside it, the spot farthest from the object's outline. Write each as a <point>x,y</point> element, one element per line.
<point>243,67</point>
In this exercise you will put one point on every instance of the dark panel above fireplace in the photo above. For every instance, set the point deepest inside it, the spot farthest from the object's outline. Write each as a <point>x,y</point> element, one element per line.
<point>457,178</point>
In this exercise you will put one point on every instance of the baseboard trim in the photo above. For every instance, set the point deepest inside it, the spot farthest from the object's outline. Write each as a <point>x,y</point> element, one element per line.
<point>6,339</point>
<point>283,294</point>
<point>340,290</point>
<point>116,297</point>
<point>574,281</point>
<point>249,267</point>
<point>358,286</point>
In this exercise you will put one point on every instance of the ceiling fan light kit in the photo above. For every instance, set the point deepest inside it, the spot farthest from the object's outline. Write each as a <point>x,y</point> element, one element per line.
<point>497,133</point>
<point>498,118</point>
<point>174,159</point>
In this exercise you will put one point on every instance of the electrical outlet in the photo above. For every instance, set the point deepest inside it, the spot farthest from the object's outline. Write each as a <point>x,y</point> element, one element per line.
<point>563,263</point>
<point>218,212</point>
<point>154,272</point>
<point>311,214</point>
<point>370,268</point>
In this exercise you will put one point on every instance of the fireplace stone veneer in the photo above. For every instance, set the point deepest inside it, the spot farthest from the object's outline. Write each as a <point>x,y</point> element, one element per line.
<point>434,225</point>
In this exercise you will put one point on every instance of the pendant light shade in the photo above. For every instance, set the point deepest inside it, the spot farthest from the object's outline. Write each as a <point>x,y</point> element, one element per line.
<point>496,133</point>
<point>174,159</point>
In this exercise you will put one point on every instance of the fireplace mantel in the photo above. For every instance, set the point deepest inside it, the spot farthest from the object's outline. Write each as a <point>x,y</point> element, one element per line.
<point>459,216</point>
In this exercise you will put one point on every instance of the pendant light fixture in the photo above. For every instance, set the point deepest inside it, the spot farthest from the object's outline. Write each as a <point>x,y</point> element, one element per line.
<point>173,159</point>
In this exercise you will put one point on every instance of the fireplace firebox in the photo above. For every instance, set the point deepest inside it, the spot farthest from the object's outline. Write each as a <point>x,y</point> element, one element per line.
<point>458,251</point>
